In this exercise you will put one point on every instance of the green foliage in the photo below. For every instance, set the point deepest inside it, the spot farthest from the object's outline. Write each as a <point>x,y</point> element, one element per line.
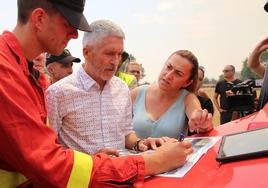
<point>206,80</point>
<point>246,73</point>
<point>221,77</point>
<point>264,56</point>
<point>209,81</point>
<point>213,81</point>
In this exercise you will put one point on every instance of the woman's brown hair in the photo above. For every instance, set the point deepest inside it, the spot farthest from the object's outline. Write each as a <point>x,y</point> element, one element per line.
<point>194,61</point>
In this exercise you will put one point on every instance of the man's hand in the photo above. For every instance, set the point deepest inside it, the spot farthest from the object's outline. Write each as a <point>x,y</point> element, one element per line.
<point>229,93</point>
<point>152,143</point>
<point>169,156</point>
<point>200,121</point>
<point>109,151</point>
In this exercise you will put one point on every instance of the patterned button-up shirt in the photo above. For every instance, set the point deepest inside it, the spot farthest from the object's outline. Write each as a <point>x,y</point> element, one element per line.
<point>86,118</point>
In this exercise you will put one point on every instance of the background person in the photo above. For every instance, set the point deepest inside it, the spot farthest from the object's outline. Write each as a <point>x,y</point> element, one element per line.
<point>222,90</point>
<point>160,108</point>
<point>41,74</point>
<point>202,96</point>
<point>134,69</point>
<point>39,62</point>
<point>60,66</point>
<point>129,79</point>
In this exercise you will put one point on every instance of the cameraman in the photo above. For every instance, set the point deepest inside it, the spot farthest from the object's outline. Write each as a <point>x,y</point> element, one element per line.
<point>222,90</point>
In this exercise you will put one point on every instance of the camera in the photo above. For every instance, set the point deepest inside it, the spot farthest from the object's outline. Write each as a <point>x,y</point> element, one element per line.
<point>244,96</point>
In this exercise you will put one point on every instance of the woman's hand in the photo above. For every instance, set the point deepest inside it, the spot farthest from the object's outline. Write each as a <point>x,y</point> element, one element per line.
<point>200,121</point>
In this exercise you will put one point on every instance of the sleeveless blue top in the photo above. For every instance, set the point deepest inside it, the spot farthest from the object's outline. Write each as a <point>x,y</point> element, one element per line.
<point>170,124</point>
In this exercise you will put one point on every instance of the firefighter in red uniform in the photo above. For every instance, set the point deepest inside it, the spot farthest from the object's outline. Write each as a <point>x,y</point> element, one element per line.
<point>29,153</point>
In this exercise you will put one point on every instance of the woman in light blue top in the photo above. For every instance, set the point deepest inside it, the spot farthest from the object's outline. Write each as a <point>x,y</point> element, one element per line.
<point>160,109</point>
<point>164,126</point>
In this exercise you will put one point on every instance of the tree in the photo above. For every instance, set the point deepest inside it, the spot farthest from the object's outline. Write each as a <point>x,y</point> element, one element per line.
<point>264,57</point>
<point>213,81</point>
<point>246,73</point>
<point>221,77</point>
<point>206,80</point>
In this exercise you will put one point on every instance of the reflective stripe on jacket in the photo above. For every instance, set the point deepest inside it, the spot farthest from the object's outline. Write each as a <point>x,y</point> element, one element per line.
<point>80,174</point>
<point>11,179</point>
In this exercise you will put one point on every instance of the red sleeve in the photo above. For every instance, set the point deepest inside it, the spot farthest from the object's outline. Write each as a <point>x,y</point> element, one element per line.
<point>27,145</point>
<point>112,171</point>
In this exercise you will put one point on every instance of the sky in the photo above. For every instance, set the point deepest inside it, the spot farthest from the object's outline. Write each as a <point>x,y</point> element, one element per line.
<point>218,32</point>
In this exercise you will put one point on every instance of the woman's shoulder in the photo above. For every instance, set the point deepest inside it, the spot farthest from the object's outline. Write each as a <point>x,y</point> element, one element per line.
<point>136,91</point>
<point>188,94</point>
<point>201,92</point>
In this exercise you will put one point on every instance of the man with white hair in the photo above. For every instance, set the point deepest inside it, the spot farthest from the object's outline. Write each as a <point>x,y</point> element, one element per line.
<point>91,109</point>
<point>94,111</point>
<point>134,69</point>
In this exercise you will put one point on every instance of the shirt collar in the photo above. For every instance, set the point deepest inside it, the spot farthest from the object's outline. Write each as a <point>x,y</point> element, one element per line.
<point>87,81</point>
<point>15,47</point>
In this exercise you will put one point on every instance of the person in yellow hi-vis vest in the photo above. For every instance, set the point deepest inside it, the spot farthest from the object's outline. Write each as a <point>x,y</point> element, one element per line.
<point>29,153</point>
<point>129,79</point>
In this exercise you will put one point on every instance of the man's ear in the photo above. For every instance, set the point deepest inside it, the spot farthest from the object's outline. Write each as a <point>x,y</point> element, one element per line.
<point>87,52</point>
<point>38,18</point>
<point>50,69</point>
